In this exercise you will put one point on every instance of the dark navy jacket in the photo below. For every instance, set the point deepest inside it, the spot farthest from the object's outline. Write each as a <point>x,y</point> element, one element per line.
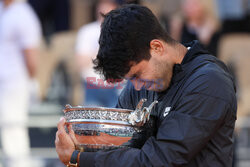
<point>193,121</point>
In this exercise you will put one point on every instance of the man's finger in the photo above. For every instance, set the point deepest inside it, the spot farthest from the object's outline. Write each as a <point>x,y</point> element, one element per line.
<point>72,134</point>
<point>61,124</point>
<point>57,138</point>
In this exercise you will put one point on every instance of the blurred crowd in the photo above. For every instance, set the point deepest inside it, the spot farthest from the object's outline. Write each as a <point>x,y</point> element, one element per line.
<point>47,48</point>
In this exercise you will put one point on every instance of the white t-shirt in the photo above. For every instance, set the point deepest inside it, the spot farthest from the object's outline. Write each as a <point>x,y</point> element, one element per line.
<point>19,30</point>
<point>87,44</point>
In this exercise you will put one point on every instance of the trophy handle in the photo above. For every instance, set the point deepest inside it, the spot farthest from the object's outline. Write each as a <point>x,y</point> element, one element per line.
<point>67,106</point>
<point>140,116</point>
<point>148,110</point>
<point>140,104</point>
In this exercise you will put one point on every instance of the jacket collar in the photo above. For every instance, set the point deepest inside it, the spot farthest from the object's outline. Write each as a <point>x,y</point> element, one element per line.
<point>195,50</point>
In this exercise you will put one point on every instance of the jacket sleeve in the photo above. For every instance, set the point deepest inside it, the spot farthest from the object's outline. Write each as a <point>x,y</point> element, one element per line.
<point>181,135</point>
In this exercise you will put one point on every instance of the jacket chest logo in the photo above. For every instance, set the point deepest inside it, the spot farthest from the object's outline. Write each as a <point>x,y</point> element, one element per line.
<point>166,112</point>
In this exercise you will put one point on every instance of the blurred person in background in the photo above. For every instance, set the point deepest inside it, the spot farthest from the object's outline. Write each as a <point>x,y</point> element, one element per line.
<point>54,15</point>
<point>199,21</point>
<point>86,50</point>
<point>19,39</point>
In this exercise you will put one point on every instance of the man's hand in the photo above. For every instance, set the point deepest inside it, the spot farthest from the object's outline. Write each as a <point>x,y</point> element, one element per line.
<point>65,143</point>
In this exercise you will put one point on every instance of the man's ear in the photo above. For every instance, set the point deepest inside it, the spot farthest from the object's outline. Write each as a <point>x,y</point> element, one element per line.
<point>156,47</point>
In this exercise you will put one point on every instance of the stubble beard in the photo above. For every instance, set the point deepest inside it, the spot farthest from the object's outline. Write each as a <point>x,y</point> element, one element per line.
<point>166,73</point>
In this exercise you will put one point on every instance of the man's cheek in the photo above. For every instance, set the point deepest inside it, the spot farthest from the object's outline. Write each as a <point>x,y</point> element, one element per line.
<point>149,84</point>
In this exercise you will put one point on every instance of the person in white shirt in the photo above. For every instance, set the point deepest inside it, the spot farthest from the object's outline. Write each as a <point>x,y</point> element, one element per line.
<point>20,35</point>
<point>86,50</point>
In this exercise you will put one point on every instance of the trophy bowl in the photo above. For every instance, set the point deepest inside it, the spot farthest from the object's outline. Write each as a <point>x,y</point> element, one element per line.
<point>100,128</point>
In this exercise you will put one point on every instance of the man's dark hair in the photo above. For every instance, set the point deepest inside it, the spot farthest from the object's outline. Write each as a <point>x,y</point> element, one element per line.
<point>125,37</point>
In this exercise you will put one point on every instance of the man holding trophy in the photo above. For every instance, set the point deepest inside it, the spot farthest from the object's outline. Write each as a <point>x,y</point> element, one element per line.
<point>193,122</point>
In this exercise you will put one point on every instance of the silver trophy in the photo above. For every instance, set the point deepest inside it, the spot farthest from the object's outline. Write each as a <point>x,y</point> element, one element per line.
<point>100,128</point>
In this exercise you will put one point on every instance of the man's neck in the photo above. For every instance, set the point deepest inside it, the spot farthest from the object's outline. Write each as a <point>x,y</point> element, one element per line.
<point>181,51</point>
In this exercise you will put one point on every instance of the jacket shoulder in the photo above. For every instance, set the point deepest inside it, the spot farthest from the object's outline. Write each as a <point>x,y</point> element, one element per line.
<point>211,77</point>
